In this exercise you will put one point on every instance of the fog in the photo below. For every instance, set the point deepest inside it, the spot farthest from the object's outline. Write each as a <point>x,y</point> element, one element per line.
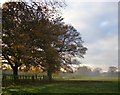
<point>86,71</point>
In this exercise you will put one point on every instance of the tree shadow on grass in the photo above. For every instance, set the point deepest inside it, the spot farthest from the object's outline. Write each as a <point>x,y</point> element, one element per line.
<point>63,88</point>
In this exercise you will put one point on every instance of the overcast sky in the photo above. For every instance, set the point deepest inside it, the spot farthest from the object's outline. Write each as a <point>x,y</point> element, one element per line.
<point>98,24</point>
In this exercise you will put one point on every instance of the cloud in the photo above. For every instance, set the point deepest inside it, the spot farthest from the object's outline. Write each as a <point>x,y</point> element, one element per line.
<point>87,17</point>
<point>106,49</point>
<point>97,23</point>
<point>103,54</point>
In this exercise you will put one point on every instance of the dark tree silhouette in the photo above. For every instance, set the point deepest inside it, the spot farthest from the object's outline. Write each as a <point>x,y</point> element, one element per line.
<point>34,34</point>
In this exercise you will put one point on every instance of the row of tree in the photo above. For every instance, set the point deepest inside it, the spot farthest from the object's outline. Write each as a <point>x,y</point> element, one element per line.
<point>34,34</point>
<point>85,71</point>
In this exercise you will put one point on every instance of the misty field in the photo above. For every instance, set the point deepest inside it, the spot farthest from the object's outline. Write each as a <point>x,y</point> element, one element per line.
<point>63,86</point>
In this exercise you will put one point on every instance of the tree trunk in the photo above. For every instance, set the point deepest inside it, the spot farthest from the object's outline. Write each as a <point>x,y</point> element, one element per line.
<point>49,74</point>
<point>15,73</point>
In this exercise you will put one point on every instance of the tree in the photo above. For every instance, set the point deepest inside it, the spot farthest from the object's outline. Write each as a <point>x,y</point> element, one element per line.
<point>112,69</point>
<point>83,71</point>
<point>11,37</point>
<point>63,41</point>
<point>70,46</point>
<point>24,34</point>
<point>17,26</point>
<point>97,71</point>
<point>35,35</point>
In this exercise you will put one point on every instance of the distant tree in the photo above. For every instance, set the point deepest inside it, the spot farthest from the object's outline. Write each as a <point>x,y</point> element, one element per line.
<point>112,69</point>
<point>83,71</point>
<point>97,72</point>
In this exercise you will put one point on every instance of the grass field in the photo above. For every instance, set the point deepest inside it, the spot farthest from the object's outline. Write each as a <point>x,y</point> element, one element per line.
<point>96,85</point>
<point>90,79</point>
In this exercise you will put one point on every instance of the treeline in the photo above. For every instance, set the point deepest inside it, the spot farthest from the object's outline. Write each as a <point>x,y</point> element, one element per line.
<point>86,71</point>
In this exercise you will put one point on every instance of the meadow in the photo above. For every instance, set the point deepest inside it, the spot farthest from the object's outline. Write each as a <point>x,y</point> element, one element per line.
<point>62,86</point>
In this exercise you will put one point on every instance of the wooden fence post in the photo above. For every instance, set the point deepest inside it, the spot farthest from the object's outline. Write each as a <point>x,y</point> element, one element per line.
<point>33,77</point>
<point>4,77</point>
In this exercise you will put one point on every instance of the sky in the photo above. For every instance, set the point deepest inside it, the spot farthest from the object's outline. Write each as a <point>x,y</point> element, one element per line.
<point>98,24</point>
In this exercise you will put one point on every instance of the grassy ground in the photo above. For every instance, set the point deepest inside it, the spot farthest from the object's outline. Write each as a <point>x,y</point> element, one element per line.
<point>64,86</point>
<point>90,79</point>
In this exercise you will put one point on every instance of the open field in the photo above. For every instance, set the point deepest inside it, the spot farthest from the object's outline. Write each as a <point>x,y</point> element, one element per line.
<point>91,78</point>
<point>63,86</point>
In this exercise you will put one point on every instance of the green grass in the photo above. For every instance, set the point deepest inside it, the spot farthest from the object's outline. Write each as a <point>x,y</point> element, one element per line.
<point>71,86</point>
<point>90,79</point>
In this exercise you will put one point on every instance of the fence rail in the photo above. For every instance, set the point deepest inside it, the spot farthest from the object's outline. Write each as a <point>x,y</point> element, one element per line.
<point>24,77</point>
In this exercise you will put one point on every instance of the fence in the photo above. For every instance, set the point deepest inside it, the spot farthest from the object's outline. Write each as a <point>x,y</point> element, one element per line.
<point>24,77</point>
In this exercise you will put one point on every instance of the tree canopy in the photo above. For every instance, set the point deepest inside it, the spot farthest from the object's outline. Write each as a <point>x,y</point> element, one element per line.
<point>35,34</point>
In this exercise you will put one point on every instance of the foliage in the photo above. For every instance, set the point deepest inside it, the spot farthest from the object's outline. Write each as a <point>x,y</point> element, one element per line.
<point>20,37</point>
<point>34,34</point>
